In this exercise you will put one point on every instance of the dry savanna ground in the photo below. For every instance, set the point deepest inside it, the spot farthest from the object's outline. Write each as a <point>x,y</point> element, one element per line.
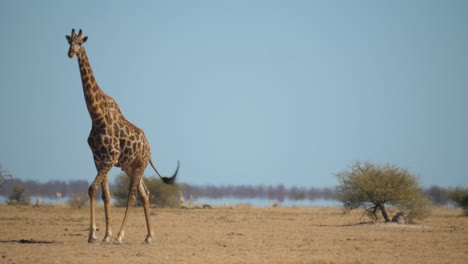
<point>58,234</point>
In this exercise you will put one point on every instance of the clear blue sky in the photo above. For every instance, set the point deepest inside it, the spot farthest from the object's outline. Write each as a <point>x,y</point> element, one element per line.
<point>242,92</point>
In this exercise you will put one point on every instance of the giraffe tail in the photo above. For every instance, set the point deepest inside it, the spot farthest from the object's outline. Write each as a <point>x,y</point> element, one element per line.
<point>167,180</point>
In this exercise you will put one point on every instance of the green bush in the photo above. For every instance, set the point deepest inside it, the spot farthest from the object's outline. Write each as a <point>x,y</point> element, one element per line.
<point>460,196</point>
<point>376,187</point>
<point>18,196</point>
<point>161,194</point>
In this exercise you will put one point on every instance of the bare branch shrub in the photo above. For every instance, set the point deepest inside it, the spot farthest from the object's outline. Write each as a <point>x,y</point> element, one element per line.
<point>5,176</point>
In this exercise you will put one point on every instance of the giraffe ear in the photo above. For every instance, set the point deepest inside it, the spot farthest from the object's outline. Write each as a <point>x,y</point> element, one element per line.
<point>68,38</point>
<point>85,39</point>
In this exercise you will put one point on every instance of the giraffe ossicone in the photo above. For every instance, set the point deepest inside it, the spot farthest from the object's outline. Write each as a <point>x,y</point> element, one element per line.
<point>114,141</point>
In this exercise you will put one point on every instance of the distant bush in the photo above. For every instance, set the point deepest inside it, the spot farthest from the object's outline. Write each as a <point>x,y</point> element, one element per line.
<point>78,200</point>
<point>18,196</point>
<point>376,187</point>
<point>120,192</point>
<point>161,194</point>
<point>460,196</point>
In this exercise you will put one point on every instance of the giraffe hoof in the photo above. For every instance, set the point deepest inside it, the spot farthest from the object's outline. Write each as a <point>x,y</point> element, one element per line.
<point>148,240</point>
<point>92,240</point>
<point>106,240</point>
<point>117,242</point>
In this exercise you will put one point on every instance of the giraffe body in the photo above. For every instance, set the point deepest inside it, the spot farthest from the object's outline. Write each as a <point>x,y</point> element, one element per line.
<point>114,141</point>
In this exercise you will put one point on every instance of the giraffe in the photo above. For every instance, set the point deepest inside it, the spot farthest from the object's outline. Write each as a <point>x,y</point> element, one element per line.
<point>114,141</point>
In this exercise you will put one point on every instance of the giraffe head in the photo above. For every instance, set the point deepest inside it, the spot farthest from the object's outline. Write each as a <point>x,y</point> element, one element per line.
<point>76,42</point>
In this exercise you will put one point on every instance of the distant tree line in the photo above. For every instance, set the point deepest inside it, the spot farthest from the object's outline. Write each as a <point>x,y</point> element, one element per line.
<point>438,195</point>
<point>48,189</point>
<point>273,192</point>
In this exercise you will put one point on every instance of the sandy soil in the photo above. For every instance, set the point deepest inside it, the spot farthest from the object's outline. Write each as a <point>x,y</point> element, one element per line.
<point>58,234</point>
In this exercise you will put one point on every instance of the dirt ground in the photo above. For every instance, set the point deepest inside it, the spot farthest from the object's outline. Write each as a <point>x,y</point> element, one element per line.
<point>58,234</point>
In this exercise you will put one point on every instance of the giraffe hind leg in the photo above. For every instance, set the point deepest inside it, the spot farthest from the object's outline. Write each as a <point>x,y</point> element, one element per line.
<point>144,196</point>
<point>135,178</point>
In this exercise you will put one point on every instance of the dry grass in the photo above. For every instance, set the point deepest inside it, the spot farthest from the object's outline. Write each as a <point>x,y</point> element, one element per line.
<point>243,235</point>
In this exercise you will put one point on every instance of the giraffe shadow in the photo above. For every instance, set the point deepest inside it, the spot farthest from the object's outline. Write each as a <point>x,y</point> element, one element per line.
<point>348,225</point>
<point>29,241</point>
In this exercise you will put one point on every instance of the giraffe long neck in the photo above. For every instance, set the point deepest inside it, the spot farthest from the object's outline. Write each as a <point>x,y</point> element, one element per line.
<point>94,96</point>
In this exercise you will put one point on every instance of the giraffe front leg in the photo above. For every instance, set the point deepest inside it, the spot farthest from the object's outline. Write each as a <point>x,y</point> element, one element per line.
<point>92,196</point>
<point>107,207</point>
